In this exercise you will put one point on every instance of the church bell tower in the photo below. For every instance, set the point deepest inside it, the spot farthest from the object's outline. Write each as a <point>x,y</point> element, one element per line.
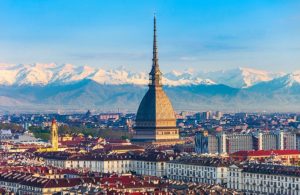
<point>54,135</point>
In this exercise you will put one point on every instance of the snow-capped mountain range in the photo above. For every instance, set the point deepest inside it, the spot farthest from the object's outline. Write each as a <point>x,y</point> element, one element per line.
<point>52,87</point>
<point>44,74</point>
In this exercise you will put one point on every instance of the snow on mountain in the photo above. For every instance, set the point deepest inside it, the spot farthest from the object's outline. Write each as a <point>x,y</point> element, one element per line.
<point>291,79</point>
<point>40,87</point>
<point>281,86</point>
<point>286,81</point>
<point>119,77</point>
<point>241,77</point>
<point>175,78</point>
<point>68,73</point>
<point>43,74</point>
<point>31,75</point>
<point>8,74</point>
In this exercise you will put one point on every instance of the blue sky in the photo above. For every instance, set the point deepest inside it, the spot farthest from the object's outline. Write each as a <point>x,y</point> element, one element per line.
<point>200,34</point>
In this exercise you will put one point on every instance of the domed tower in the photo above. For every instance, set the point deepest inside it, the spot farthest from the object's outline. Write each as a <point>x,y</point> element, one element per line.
<point>155,119</point>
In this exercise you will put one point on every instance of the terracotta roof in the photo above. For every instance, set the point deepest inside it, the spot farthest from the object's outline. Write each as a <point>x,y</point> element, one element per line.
<point>117,141</point>
<point>30,180</point>
<point>123,147</point>
<point>272,169</point>
<point>147,156</point>
<point>266,153</point>
<point>70,142</point>
<point>37,169</point>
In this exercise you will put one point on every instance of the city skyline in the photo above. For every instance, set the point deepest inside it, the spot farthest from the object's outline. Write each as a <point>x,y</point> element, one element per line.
<point>202,35</point>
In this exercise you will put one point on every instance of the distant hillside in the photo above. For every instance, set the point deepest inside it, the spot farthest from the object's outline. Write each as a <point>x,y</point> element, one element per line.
<point>88,94</point>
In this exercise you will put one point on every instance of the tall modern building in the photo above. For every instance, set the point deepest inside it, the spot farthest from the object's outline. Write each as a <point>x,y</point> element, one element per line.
<point>206,144</point>
<point>155,119</point>
<point>233,142</point>
<point>210,144</point>
<point>239,142</point>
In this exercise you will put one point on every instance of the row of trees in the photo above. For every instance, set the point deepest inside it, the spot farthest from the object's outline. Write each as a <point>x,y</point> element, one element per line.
<point>44,133</point>
<point>12,126</point>
<point>39,132</point>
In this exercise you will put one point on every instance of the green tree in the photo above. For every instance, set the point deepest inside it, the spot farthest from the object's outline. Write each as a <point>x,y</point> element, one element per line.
<point>39,132</point>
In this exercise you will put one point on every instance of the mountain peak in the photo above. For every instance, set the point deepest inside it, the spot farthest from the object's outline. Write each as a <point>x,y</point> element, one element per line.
<point>291,79</point>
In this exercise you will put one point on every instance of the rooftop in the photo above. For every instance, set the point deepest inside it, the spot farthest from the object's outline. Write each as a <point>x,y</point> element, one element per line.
<point>203,161</point>
<point>40,182</point>
<point>272,169</point>
<point>145,156</point>
<point>266,153</point>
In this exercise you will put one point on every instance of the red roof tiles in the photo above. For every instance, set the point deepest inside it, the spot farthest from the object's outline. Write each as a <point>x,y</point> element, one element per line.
<point>266,153</point>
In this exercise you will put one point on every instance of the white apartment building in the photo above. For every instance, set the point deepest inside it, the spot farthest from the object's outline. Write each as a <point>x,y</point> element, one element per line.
<point>152,164</point>
<point>264,179</point>
<point>198,169</point>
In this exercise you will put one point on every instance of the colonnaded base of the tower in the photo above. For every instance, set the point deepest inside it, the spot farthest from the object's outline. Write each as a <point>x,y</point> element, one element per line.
<point>169,137</point>
<point>163,142</point>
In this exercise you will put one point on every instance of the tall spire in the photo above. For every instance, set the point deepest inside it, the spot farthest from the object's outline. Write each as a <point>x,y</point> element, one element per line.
<point>155,56</point>
<point>155,74</point>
